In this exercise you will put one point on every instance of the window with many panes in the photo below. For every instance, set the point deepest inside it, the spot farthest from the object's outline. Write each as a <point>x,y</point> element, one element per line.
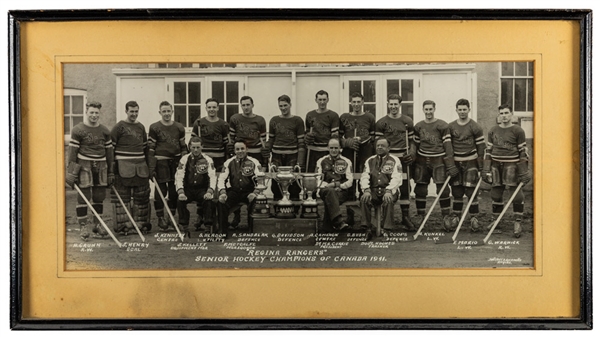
<point>516,85</point>
<point>187,98</point>
<point>74,108</point>
<point>228,95</point>
<point>368,88</point>
<point>404,88</point>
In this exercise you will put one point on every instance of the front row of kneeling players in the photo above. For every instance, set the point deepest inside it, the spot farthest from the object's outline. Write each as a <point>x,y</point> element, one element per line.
<point>126,159</point>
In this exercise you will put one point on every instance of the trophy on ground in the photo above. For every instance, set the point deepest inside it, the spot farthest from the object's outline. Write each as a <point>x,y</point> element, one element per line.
<point>309,184</point>
<point>284,176</point>
<point>261,204</point>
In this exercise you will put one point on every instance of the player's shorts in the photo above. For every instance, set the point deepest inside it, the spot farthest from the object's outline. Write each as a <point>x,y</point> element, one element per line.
<point>427,168</point>
<point>468,174</point>
<point>165,170</point>
<point>92,173</point>
<point>504,174</point>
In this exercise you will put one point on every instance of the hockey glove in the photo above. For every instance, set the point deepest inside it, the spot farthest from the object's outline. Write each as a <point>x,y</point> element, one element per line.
<point>230,150</point>
<point>451,168</point>
<point>73,173</point>
<point>408,159</point>
<point>266,153</point>
<point>310,138</point>
<point>524,172</point>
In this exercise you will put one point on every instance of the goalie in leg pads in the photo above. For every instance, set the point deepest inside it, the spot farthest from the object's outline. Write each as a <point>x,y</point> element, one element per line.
<point>132,172</point>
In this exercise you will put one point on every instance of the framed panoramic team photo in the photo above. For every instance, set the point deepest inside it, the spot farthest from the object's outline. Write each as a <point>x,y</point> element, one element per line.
<point>291,169</point>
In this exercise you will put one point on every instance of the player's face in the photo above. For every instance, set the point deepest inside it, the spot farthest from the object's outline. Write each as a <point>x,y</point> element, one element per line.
<point>240,150</point>
<point>463,111</point>
<point>505,116</point>
<point>322,101</point>
<point>394,107</point>
<point>166,112</point>
<point>382,148</point>
<point>93,115</point>
<point>247,106</point>
<point>132,113</point>
<point>357,104</point>
<point>334,148</point>
<point>284,107</point>
<point>196,148</point>
<point>212,109</point>
<point>429,110</point>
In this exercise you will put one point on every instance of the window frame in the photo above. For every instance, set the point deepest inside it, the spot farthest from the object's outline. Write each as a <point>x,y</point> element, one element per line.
<point>73,92</point>
<point>518,113</point>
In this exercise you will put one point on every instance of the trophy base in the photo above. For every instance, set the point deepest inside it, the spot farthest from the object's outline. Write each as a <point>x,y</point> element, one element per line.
<point>285,212</point>
<point>261,209</point>
<point>309,212</point>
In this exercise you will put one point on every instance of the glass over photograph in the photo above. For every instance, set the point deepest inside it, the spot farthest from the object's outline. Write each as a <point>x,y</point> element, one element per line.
<point>187,166</point>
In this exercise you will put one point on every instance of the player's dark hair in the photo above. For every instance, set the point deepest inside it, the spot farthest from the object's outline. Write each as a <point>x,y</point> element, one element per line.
<point>322,92</point>
<point>241,142</point>
<point>357,94</point>
<point>208,100</point>
<point>429,102</point>
<point>505,106</point>
<point>284,98</point>
<point>164,103</point>
<point>383,138</point>
<point>194,139</point>
<point>131,104</point>
<point>394,96</point>
<point>463,101</point>
<point>245,98</point>
<point>93,104</point>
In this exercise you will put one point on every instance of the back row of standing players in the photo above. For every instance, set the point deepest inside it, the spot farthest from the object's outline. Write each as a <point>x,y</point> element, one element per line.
<point>431,150</point>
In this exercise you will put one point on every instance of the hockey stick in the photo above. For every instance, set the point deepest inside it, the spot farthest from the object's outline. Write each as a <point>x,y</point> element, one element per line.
<point>162,197</point>
<point>378,227</point>
<point>431,208</point>
<point>308,152</point>
<point>97,216</point>
<point>407,152</point>
<point>356,191</point>
<point>462,218</point>
<point>512,197</point>
<point>128,214</point>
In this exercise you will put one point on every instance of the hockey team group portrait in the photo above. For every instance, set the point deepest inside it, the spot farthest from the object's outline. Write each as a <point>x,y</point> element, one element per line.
<point>183,166</point>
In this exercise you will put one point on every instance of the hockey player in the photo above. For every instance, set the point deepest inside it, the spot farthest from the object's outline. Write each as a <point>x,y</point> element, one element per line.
<point>335,186</point>
<point>322,124</point>
<point>357,131</point>
<point>468,144</point>
<point>131,171</point>
<point>250,129</point>
<point>506,165</point>
<point>90,166</point>
<point>196,181</point>
<point>286,142</point>
<point>239,172</point>
<point>435,161</point>
<point>379,183</point>
<point>398,129</point>
<point>213,132</point>
<point>166,142</point>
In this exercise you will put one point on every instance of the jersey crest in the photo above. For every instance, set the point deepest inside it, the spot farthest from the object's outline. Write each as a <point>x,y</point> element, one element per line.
<point>202,166</point>
<point>387,167</point>
<point>248,168</point>
<point>340,166</point>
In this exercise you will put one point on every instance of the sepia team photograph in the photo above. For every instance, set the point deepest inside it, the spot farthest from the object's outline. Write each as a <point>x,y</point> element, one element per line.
<point>186,166</point>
